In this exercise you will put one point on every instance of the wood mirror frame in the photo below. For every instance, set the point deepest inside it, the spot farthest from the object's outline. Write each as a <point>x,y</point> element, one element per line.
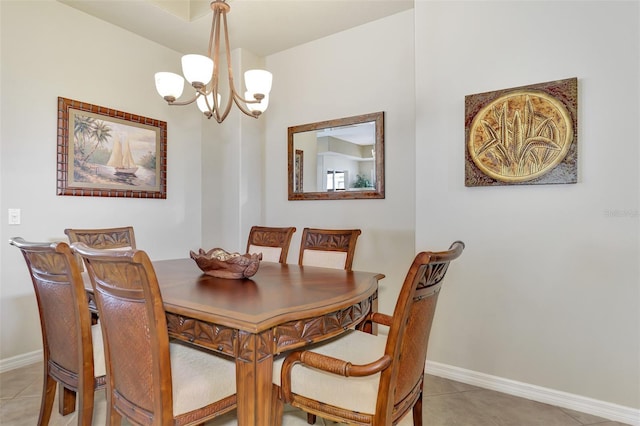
<point>296,159</point>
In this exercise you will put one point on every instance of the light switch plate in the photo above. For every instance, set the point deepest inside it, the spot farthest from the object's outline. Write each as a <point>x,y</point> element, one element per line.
<point>14,216</point>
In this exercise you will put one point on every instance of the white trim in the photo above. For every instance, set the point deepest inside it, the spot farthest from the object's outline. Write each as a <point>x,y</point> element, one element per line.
<point>20,360</point>
<point>583,404</point>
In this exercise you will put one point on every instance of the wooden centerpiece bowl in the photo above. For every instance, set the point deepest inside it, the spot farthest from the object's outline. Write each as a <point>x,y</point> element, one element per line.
<point>222,264</point>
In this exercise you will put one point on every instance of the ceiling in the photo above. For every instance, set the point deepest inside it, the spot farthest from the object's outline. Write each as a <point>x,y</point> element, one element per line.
<point>263,27</point>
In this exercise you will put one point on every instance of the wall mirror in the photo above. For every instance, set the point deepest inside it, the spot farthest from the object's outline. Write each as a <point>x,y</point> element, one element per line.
<point>337,159</point>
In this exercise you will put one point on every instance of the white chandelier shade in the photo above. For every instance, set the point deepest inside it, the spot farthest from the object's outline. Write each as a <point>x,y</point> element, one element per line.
<point>258,81</point>
<point>169,85</point>
<point>197,69</point>
<point>201,72</point>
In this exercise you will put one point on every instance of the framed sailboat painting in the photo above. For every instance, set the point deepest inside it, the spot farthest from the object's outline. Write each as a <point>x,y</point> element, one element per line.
<point>103,152</point>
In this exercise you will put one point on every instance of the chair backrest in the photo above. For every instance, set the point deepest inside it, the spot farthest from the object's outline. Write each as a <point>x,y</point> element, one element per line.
<point>122,238</point>
<point>133,322</point>
<point>409,332</point>
<point>64,311</point>
<point>330,248</point>
<point>272,242</point>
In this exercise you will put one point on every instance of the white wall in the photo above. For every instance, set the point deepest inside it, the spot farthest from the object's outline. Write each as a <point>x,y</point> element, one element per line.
<point>51,50</point>
<point>232,164</point>
<point>363,70</point>
<point>547,290</point>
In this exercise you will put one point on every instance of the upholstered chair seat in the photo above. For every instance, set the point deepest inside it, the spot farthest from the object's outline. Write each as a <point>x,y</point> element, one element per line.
<point>194,372</point>
<point>356,393</point>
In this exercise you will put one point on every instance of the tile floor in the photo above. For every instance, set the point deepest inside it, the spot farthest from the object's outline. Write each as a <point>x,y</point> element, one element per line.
<point>446,403</point>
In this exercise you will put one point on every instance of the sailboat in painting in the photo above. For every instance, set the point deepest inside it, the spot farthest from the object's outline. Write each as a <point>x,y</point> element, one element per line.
<point>121,159</point>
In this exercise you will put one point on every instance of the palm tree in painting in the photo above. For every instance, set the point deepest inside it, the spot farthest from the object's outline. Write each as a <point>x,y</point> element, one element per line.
<point>100,133</point>
<point>82,129</point>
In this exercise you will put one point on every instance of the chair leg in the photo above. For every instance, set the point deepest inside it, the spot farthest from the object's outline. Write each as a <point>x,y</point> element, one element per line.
<point>311,418</point>
<point>417,412</point>
<point>277,405</point>
<point>113,417</point>
<point>85,405</point>
<point>66,400</point>
<point>48,395</point>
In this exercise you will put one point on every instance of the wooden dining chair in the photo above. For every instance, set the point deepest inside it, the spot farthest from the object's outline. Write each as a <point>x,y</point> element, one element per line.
<point>122,238</point>
<point>272,242</point>
<point>366,379</point>
<point>151,381</point>
<point>73,354</point>
<point>329,248</point>
<point>104,238</point>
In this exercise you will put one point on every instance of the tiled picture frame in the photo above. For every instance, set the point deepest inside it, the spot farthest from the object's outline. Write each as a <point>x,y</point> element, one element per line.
<point>103,152</point>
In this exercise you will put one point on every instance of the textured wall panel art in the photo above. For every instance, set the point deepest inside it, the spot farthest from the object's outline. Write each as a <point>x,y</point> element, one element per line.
<point>522,136</point>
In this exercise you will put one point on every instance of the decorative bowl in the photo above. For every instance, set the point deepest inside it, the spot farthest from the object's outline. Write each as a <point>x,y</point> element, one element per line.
<point>222,264</point>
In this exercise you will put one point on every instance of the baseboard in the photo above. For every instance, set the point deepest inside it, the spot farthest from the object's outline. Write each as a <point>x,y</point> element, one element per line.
<point>20,361</point>
<point>583,404</point>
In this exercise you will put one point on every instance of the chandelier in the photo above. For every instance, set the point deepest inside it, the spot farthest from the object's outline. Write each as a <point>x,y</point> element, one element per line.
<point>202,73</point>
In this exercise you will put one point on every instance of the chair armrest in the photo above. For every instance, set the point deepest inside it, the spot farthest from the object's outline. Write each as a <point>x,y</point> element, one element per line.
<point>380,318</point>
<point>366,325</point>
<point>328,364</point>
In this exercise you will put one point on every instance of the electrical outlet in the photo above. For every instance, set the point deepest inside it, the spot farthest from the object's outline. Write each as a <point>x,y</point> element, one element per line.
<point>14,216</point>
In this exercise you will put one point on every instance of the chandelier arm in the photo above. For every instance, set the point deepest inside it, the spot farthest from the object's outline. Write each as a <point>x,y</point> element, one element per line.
<point>233,95</point>
<point>215,28</point>
<point>182,103</point>
<point>248,101</point>
<point>220,117</point>
<point>211,35</point>
<point>238,100</point>
<point>216,112</point>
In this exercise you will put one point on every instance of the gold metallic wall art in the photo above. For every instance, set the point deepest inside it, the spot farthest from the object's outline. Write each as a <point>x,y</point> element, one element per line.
<point>523,135</point>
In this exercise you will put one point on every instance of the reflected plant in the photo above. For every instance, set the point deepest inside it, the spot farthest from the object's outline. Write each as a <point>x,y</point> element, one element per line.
<point>362,182</point>
<point>523,145</point>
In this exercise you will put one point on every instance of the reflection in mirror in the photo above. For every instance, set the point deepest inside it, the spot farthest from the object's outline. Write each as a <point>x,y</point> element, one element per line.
<point>337,159</point>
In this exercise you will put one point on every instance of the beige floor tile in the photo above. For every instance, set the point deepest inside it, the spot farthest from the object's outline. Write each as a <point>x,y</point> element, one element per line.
<point>20,411</point>
<point>608,423</point>
<point>588,419</point>
<point>446,403</point>
<point>434,385</point>
<point>489,408</point>
<point>15,381</point>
